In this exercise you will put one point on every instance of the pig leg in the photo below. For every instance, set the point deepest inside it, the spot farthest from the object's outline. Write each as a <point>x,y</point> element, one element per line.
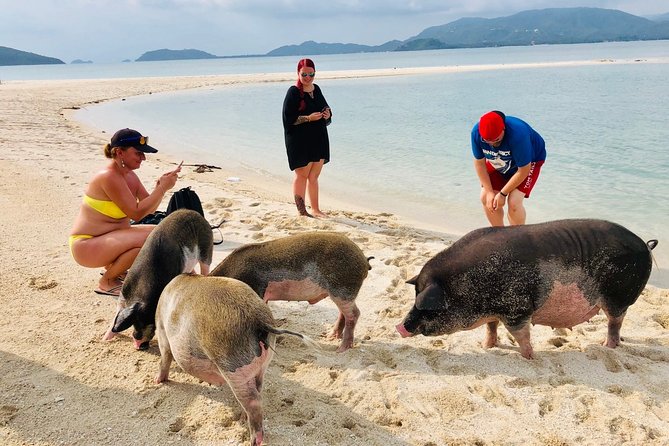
<point>246,383</point>
<point>345,325</point>
<point>491,334</point>
<point>165,362</point>
<point>165,356</point>
<point>522,337</point>
<point>613,337</point>
<point>338,327</point>
<point>204,269</point>
<point>109,335</point>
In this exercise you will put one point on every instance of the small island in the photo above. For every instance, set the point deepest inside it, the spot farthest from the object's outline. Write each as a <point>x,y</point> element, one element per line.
<point>11,56</point>
<point>166,54</point>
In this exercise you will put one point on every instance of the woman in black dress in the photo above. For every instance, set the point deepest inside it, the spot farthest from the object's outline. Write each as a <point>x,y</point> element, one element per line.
<point>306,116</point>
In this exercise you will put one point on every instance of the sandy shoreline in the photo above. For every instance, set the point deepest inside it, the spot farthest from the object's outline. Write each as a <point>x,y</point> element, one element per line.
<point>61,385</point>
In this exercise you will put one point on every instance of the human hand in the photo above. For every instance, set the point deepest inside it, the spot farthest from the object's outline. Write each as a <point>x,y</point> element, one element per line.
<point>169,179</point>
<point>326,113</point>
<point>178,169</point>
<point>490,201</point>
<point>315,116</point>
<point>499,201</point>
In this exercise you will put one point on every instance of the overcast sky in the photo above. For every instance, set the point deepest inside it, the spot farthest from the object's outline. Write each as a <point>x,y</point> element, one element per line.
<point>113,30</point>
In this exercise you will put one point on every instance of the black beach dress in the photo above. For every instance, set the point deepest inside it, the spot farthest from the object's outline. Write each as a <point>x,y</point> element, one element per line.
<point>307,142</point>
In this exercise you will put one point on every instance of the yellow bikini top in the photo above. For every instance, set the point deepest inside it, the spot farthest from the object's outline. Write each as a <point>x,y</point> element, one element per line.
<point>108,208</point>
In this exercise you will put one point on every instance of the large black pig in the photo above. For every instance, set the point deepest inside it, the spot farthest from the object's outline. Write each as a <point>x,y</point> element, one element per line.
<point>559,273</point>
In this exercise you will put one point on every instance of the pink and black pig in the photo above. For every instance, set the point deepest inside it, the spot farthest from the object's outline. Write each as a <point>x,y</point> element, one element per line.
<point>559,274</point>
<point>181,241</point>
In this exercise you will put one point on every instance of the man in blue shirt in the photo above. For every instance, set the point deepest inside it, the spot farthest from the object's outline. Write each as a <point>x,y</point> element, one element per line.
<point>509,155</point>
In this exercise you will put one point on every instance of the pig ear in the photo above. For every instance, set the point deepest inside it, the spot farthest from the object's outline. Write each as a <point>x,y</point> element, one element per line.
<point>413,280</point>
<point>125,318</point>
<point>431,298</point>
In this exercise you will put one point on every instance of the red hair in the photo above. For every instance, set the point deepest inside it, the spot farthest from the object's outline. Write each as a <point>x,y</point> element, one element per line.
<point>301,64</point>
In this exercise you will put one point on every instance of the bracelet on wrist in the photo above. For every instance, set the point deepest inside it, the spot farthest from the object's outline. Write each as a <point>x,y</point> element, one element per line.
<point>503,194</point>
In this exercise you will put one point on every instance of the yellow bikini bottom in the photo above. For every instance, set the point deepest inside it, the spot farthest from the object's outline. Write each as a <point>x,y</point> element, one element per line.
<point>74,238</point>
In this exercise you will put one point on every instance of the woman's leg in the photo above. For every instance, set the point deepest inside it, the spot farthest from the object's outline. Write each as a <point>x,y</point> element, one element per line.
<point>312,184</point>
<point>117,250</point>
<point>300,188</point>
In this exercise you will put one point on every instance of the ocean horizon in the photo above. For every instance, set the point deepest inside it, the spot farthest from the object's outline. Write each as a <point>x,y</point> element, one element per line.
<point>401,144</point>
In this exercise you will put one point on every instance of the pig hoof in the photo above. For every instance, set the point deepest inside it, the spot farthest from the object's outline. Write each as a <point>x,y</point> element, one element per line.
<point>612,343</point>
<point>527,355</point>
<point>333,335</point>
<point>109,336</point>
<point>344,346</point>
<point>160,378</point>
<point>258,440</point>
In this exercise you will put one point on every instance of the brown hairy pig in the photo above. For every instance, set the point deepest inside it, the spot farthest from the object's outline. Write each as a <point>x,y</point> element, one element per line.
<point>218,330</point>
<point>304,267</point>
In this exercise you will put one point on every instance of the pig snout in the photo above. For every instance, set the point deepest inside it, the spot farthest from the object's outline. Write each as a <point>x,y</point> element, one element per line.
<point>403,331</point>
<point>141,344</point>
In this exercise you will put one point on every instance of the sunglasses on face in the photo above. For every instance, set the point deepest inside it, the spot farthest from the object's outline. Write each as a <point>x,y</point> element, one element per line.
<point>307,74</point>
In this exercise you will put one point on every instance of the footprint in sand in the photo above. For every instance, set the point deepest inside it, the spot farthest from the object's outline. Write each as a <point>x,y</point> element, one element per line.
<point>303,417</point>
<point>608,357</point>
<point>558,341</point>
<point>221,202</point>
<point>256,227</point>
<point>545,407</point>
<point>7,413</point>
<point>390,419</point>
<point>394,284</point>
<point>392,313</point>
<point>42,283</point>
<point>493,395</point>
<point>177,425</point>
<point>662,319</point>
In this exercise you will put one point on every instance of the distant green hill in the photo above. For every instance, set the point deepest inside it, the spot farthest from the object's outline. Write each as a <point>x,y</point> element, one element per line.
<point>166,54</point>
<point>545,26</point>
<point>311,47</point>
<point>10,56</point>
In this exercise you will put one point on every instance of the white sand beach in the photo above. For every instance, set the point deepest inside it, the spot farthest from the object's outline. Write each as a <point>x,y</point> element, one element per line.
<point>60,384</point>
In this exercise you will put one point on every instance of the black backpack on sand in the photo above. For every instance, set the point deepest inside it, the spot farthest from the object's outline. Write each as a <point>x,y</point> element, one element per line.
<point>184,198</point>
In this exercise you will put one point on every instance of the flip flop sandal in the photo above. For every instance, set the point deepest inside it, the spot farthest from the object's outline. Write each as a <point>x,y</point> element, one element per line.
<point>113,291</point>
<point>120,277</point>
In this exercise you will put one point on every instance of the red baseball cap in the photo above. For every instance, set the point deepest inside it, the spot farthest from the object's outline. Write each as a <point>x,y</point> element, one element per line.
<point>491,126</point>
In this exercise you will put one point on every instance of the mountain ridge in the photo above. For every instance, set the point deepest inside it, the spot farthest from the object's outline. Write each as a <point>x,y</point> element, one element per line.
<point>530,27</point>
<point>11,56</point>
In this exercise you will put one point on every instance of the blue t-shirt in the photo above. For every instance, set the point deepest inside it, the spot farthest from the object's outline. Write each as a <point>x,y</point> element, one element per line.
<point>520,146</point>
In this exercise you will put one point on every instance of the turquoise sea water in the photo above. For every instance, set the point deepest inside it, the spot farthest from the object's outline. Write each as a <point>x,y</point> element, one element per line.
<point>401,144</point>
